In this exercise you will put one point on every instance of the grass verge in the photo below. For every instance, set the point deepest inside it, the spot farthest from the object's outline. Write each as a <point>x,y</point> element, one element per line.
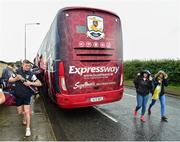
<point>173,90</point>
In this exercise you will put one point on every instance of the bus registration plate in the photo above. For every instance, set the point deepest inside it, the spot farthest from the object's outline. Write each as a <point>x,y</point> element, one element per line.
<point>96,99</point>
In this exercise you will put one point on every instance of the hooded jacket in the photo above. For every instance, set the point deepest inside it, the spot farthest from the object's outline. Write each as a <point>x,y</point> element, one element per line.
<point>143,87</point>
<point>162,82</point>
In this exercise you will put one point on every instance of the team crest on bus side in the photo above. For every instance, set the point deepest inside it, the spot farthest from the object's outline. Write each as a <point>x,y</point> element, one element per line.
<point>95,27</point>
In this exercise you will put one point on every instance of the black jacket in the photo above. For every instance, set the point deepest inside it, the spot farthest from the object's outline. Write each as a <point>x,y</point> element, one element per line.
<point>143,87</point>
<point>6,74</point>
<point>164,83</point>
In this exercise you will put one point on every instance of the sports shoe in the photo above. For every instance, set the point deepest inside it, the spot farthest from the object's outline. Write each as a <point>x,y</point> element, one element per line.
<point>164,118</point>
<point>135,113</point>
<point>28,132</point>
<point>149,111</point>
<point>143,118</point>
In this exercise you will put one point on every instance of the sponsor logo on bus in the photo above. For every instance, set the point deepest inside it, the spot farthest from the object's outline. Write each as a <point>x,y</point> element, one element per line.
<point>95,27</point>
<point>79,85</point>
<point>81,71</point>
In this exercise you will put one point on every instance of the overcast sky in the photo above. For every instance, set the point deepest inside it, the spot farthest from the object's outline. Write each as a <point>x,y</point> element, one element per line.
<point>151,28</point>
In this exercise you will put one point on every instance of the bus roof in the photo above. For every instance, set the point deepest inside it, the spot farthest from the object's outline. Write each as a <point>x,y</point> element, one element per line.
<point>86,8</point>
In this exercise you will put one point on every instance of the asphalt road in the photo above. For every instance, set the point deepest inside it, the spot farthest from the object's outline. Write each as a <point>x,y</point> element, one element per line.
<point>115,121</point>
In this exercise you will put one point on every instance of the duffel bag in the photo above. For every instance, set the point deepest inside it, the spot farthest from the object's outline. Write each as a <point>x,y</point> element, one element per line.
<point>10,100</point>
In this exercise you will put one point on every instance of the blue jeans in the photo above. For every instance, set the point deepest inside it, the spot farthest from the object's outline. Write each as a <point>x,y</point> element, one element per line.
<point>142,102</point>
<point>162,100</point>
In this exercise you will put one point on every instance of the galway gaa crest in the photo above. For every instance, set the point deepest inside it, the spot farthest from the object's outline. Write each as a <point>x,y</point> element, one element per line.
<point>95,27</point>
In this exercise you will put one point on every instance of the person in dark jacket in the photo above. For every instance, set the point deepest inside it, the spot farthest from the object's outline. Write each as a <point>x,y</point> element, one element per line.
<point>6,74</point>
<point>24,79</point>
<point>143,85</point>
<point>159,82</point>
<point>8,71</point>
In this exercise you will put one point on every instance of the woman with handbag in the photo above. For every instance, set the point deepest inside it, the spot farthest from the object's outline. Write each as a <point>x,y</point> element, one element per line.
<point>160,81</point>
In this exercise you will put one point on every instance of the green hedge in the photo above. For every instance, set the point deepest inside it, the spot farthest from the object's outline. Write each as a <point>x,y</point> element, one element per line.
<point>171,67</point>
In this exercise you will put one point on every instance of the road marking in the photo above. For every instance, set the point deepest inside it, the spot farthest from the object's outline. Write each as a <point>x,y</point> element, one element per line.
<point>130,95</point>
<point>105,114</point>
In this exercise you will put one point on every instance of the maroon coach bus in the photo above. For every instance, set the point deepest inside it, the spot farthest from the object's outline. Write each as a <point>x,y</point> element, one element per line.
<point>81,58</point>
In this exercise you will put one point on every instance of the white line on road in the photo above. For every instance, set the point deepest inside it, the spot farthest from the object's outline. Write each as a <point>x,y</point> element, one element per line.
<point>130,95</point>
<point>105,114</point>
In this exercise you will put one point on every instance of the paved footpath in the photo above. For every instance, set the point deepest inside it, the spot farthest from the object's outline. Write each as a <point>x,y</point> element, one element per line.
<point>12,129</point>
